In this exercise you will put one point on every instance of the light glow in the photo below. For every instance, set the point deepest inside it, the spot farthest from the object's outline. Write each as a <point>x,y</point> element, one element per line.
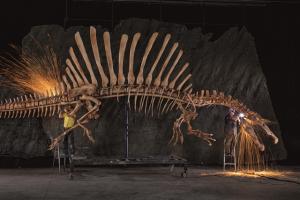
<point>33,74</point>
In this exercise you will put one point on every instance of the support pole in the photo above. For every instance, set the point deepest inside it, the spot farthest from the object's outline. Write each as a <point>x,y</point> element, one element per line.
<point>126,130</point>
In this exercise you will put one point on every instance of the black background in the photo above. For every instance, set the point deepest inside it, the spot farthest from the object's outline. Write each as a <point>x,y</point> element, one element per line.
<point>274,25</point>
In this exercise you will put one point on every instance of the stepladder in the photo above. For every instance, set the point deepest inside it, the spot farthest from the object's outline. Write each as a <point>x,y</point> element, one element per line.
<point>229,151</point>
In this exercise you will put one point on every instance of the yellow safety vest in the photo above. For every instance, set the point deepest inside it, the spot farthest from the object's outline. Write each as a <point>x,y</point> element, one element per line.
<point>68,121</point>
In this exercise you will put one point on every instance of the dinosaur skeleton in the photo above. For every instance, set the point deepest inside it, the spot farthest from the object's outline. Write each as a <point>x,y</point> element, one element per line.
<point>170,89</point>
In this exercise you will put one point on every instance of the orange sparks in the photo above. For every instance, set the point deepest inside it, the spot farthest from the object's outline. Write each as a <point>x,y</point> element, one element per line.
<point>249,157</point>
<point>256,174</point>
<point>34,74</point>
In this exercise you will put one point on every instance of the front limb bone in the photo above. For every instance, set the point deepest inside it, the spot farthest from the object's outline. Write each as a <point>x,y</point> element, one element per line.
<point>186,117</point>
<point>92,111</point>
<point>205,136</point>
<point>177,132</point>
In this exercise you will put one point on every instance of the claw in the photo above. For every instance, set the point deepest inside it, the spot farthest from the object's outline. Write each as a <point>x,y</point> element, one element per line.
<point>205,136</point>
<point>275,140</point>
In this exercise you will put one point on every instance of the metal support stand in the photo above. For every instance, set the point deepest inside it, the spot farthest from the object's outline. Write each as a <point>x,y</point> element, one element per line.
<point>126,131</point>
<point>184,173</point>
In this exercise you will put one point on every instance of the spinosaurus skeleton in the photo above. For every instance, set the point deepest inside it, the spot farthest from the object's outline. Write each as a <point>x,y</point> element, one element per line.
<point>75,88</point>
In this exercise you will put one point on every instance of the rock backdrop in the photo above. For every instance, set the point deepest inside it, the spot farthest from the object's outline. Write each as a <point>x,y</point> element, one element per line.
<point>229,63</point>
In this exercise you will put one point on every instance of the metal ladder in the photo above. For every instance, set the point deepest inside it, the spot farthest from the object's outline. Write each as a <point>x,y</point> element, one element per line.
<point>57,155</point>
<point>230,159</point>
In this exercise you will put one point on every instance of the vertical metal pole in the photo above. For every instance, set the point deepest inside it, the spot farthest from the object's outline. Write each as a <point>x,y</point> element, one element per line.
<point>58,157</point>
<point>67,13</point>
<point>126,130</point>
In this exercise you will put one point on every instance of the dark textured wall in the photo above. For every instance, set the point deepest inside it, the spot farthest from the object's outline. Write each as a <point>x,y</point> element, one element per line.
<point>228,64</point>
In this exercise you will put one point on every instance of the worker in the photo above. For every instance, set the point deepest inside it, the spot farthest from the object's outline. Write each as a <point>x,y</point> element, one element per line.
<point>230,130</point>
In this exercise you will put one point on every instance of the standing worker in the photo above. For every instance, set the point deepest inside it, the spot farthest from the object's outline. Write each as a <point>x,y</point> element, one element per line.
<point>230,129</point>
<point>69,145</point>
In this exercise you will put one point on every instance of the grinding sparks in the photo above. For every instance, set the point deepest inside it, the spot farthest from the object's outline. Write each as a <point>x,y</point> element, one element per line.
<point>249,157</point>
<point>34,74</point>
<point>256,174</point>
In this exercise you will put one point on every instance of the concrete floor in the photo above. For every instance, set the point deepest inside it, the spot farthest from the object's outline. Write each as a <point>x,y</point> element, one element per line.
<point>143,183</point>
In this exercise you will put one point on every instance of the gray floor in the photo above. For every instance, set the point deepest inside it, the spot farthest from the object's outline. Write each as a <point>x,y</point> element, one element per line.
<point>143,183</point>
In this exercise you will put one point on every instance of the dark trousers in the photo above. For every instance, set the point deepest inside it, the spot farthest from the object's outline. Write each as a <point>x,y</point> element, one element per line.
<point>230,141</point>
<point>69,149</point>
<point>69,144</point>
